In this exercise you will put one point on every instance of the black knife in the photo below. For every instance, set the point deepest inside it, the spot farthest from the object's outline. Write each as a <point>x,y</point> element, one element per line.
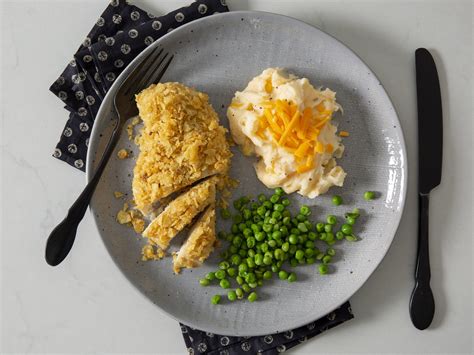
<point>430,156</point>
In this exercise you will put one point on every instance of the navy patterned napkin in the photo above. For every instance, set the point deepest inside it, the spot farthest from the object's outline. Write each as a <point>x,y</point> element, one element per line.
<point>118,36</point>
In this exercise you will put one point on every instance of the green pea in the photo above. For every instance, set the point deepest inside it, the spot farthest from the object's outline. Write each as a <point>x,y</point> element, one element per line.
<point>251,253</point>
<point>293,262</point>
<point>235,228</point>
<point>256,218</point>
<point>239,293</point>
<point>282,275</point>
<point>267,228</point>
<point>331,219</point>
<point>215,299</point>
<point>204,282</point>
<point>224,283</point>
<point>225,213</point>
<point>323,269</point>
<point>286,221</point>
<point>261,211</point>
<point>309,244</point>
<point>293,249</point>
<point>276,227</point>
<point>243,267</point>
<point>276,235</point>
<point>250,262</point>
<point>242,253</point>
<point>350,220</point>
<point>320,227</point>
<point>291,277</point>
<point>328,228</point>
<point>308,252</point>
<point>300,217</point>
<point>261,198</point>
<point>285,246</point>
<point>252,297</point>
<point>326,259</point>
<point>224,265</point>
<point>279,207</point>
<point>323,236</point>
<point>278,254</point>
<point>220,274</point>
<point>294,221</point>
<point>272,221</point>
<point>268,205</point>
<point>295,231</point>
<point>250,242</point>
<point>232,296</point>
<point>242,226</point>
<point>320,256</point>
<point>279,191</point>
<point>264,247</point>
<point>246,288</point>
<point>310,260</point>
<point>267,275</point>
<point>237,218</point>
<point>285,202</point>
<point>267,260</point>
<point>275,268</point>
<point>369,195</point>
<point>210,276</point>
<point>302,227</point>
<point>312,236</point>
<point>339,235</point>
<point>346,229</point>
<point>331,242</point>
<point>293,239</point>
<point>240,280</point>
<point>250,278</point>
<point>246,213</point>
<point>355,212</point>
<point>308,225</point>
<point>351,238</point>
<point>302,238</point>
<point>272,243</point>
<point>331,251</point>
<point>304,210</point>
<point>336,200</point>
<point>253,285</point>
<point>284,231</point>
<point>258,259</point>
<point>276,215</point>
<point>299,254</point>
<point>329,237</point>
<point>231,272</point>
<point>260,236</point>
<point>274,198</point>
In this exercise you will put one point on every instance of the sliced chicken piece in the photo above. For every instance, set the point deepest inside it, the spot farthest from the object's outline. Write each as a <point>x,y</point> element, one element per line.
<point>181,142</point>
<point>180,212</point>
<point>200,242</point>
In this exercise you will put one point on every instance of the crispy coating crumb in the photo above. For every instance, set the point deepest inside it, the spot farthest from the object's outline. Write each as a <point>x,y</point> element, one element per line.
<point>149,252</point>
<point>123,154</point>
<point>118,194</point>
<point>181,142</point>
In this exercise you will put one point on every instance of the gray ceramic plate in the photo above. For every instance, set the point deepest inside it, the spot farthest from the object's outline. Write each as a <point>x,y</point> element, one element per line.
<point>219,55</point>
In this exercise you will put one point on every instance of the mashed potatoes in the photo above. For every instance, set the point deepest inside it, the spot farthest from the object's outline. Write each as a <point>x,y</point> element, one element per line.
<point>286,123</point>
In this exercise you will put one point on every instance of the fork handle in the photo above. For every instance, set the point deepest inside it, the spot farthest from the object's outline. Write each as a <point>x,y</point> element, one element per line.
<point>61,239</point>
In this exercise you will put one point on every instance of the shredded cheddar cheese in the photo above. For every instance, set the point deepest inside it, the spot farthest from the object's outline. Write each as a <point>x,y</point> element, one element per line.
<point>295,130</point>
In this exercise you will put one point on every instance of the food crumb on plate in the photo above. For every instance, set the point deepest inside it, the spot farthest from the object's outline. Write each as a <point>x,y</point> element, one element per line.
<point>123,154</point>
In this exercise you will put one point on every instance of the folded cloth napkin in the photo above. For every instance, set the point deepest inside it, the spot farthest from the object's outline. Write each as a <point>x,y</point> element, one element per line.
<point>118,36</point>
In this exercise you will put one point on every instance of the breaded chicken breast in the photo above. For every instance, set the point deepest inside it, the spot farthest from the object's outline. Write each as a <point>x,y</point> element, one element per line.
<point>181,142</point>
<point>181,212</point>
<point>200,242</point>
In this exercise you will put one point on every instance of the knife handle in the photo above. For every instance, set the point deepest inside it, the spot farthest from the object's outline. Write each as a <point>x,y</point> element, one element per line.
<point>422,305</point>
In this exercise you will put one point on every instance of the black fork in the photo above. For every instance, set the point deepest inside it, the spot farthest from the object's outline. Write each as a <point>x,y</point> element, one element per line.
<point>149,71</point>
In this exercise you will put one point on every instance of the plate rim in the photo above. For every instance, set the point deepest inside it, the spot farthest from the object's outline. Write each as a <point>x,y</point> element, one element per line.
<point>101,114</point>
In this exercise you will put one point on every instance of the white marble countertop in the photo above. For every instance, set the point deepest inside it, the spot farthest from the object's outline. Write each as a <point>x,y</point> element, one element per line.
<point>85,305</point>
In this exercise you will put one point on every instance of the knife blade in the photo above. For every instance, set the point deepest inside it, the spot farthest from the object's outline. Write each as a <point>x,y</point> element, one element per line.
<point>430,122</point>
<point>430,156</point>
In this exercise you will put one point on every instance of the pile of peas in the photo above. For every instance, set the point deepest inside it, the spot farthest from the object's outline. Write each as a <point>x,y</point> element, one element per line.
<point>266,240</point>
